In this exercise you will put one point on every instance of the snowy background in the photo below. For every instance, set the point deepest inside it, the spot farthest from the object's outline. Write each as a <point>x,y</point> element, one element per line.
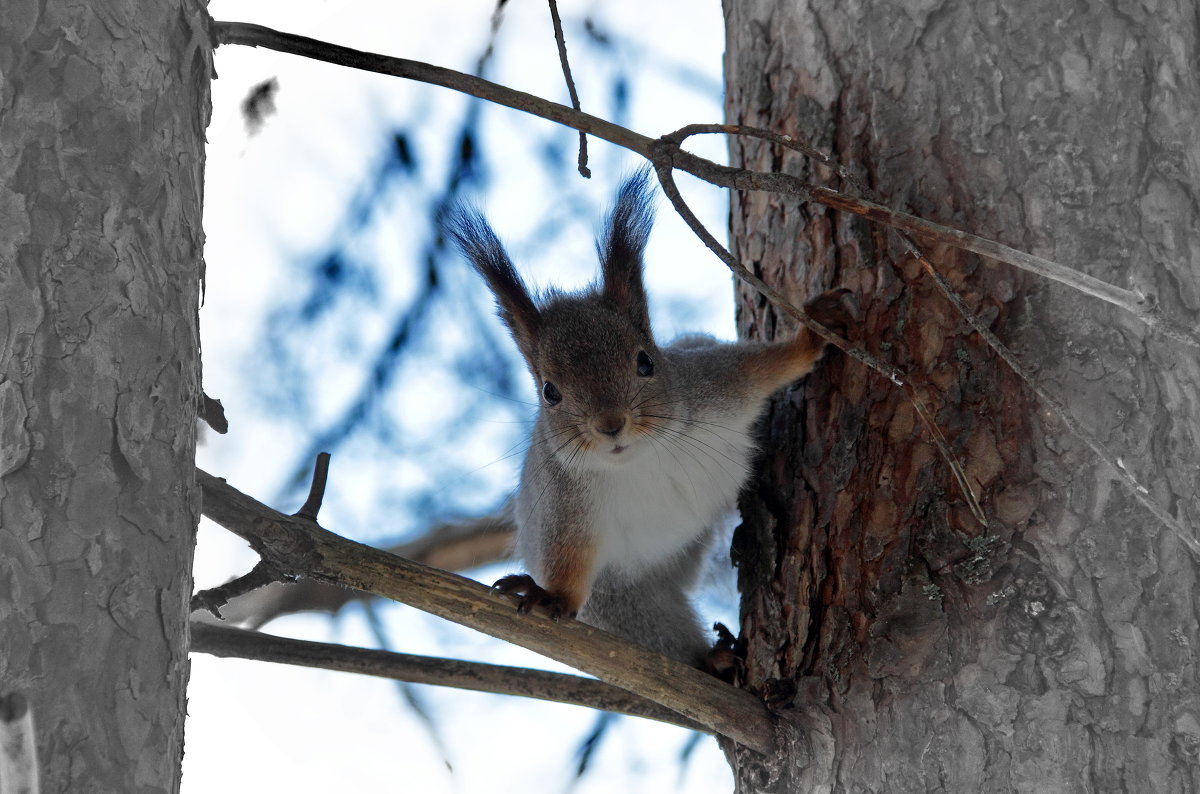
<point>333,320</point>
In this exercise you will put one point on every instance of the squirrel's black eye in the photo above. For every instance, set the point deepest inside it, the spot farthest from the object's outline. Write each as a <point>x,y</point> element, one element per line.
<point>551,393</point>
<point>645,367</point>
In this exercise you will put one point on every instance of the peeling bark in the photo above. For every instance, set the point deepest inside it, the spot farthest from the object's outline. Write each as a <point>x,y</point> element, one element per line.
<point>911,649</point>
<point>102,113</point>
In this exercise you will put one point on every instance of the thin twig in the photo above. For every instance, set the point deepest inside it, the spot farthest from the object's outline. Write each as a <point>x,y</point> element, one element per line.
<point>1135,488</point>
<point>316,491</point>
<point>261,575</point>
<point>259,36</point>
<point>1138,305</point>
<point>561,40</point>
<point>302,547</point>
<point>720,175</point>
<point>518,681</point>
<point>665,177</point>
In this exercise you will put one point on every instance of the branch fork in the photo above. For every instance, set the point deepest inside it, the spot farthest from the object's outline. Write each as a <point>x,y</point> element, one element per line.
<point>301,547</point>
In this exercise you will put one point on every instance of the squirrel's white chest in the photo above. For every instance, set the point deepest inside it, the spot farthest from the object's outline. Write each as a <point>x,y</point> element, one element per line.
<point>649,510</point>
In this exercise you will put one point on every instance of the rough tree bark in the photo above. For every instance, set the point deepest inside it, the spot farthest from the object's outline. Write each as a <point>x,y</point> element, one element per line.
<point>909,649</point>
<point>102,113</point>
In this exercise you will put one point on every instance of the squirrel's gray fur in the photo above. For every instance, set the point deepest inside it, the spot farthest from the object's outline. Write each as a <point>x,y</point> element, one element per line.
<point>630,469</point>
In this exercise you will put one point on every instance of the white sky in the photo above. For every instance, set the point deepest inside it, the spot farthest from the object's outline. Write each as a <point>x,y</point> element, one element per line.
<point>280,194</point>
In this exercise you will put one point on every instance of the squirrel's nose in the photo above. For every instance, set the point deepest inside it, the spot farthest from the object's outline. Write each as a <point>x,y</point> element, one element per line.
<point>609,424</point>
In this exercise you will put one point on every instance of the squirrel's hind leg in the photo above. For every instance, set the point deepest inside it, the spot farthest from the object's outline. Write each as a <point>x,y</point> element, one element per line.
<point>652,611</point>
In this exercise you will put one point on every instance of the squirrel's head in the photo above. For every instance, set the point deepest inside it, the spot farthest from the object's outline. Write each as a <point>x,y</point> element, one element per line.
<point>600,377</point>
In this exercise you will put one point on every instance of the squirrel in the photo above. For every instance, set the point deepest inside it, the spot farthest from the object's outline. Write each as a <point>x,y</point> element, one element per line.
<point>637,450</point>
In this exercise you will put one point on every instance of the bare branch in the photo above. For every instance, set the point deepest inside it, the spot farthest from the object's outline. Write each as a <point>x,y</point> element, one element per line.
<point>566,67</point>
<point>261,575</point>
<point>1140,306</point>
<point>456,546</point>
<point>668,184</point>
<point>316,492</point>
<point>1135,488</point>
<point>259,36</point>
<point>301,547</point>
<point>723,176</point>
<point>519,681</point>
<point>667,152</point>
<point>1139,492</point>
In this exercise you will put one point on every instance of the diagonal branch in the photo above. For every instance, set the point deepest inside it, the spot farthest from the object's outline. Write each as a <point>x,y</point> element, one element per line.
<point>260,576</point>
<point>1135,488</point>
<point>302,548</point>
<point>498,679</point>
<point>1139,306</point>
<point>669,149</point>
<point>667,180</point>
<point>1139,492</point>
<point>259,36</point>
<point>452,546</point>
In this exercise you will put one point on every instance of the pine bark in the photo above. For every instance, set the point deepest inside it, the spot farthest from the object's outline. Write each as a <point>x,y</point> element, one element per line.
<point>102,113</point>
<point>907,648</point>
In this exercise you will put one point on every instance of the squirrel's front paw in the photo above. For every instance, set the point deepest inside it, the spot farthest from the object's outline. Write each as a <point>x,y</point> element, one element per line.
<point>530,594</point>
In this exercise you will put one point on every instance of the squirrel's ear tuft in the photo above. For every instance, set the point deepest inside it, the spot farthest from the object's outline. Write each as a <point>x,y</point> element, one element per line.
<point>623,242</point>
<point>466,227</point>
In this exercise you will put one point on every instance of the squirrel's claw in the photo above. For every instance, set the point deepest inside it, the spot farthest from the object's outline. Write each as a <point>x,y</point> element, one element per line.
<point>727,658</point>
<point>530,594</point>
<point>514,583</point>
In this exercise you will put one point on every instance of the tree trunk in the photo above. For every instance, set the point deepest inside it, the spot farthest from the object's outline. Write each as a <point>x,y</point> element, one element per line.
<point>908,648</point>
<point>102,113</point>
